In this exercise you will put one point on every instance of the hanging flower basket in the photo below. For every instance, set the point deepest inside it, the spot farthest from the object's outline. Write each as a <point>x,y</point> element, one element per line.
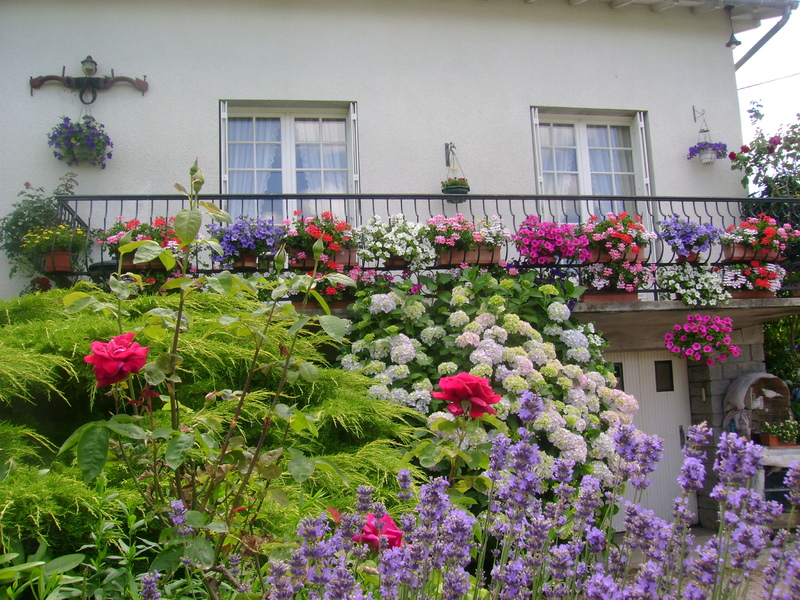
<point>708,152</point>
<point>81,142</point>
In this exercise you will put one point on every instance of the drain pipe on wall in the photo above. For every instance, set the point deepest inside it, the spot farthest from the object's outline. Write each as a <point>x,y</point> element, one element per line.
<point>787,10</point>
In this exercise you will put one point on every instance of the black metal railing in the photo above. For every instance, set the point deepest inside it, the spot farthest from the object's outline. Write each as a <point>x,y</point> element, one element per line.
<point>98,213</point>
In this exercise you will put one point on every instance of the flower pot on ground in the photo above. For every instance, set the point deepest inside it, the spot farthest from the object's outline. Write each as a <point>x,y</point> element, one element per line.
<point>453,237</point>
<point>245,240</point>
<point>81,142</point>
<point>686,238</point>
<point>757,238</point>
<point>397,242</point>
<point>785,433</point>
<point>545,242</point>
<point>619,237</point>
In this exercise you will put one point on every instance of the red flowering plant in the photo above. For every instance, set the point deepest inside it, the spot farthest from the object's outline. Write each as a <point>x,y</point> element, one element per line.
<point>753,275</point>
<point>702,338</point>
<point>302,233</point>
<point>383,529</point>
<point>760,233</point>
<point>160,230</point>
<point>167,443</point>
<point>542,242</point>
<point>620,235</point>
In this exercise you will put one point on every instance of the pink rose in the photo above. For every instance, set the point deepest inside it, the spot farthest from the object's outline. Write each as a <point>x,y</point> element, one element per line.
<point>465,392</point>
<point>385,527</point>
<point>113,361</point>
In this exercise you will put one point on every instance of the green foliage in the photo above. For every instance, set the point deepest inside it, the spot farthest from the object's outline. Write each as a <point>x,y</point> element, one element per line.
<point>782,354</point>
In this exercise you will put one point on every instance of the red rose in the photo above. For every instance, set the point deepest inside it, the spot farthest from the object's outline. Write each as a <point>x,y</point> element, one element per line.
<point>372,532</point>
<point>465,392</point>
<point>732,155</point>
<point>113,361</point>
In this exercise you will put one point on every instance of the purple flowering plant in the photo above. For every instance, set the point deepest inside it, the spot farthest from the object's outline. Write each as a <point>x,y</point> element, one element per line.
<point>245,235</point>
<point>719,148</point>
<point>81,141</point>
<point>686,237</point>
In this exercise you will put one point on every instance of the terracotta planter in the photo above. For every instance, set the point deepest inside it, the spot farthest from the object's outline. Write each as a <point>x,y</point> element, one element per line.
<point>739,253</point>
<point>57,261</point>
<point>482,255</point>
<point>771,440</point>
<point>312,304</point>
<point>691,258</point>
<point>151,265</point>
<point>395,262</point>
<point>592,296</point>
<point>345,257</point>
<point>246,262</point>
<point>751,294</point>
<point>598,255</point>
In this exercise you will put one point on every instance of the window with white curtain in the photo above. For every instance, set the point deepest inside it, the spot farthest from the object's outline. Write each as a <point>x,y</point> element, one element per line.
<point>591,154</point>
<point>268,150</point>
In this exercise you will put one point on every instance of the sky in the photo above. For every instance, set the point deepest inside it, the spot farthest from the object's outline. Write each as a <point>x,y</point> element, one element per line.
<point>771,76</point>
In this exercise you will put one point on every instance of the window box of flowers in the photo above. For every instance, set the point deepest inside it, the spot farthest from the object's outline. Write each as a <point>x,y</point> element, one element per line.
<point>753,279</point>
<point>617,238</point>
<point>55,245</point>
<point>456,186</point>
<point>707,151</point>
<point>616,281</point>
<point>457,240</point>
<point>786,434</point>
<point>399,243</point>
<point>336,290</point>
<point>702,338</point>
<point>160,230</point>
<point>83,141</point>
<point>545,242</point>
<point>694,286</point>
<point>244,241</point>
<point>688,239</point>
<point>301,234</point>
<point>757,238</point>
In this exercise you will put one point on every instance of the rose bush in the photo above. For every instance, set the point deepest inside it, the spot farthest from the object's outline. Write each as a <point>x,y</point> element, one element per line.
<point>466,392</point>
<point>114,360</point>
<point>385,527</point>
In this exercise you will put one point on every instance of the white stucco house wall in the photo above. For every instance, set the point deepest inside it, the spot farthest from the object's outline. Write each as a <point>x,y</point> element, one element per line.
<point>257,88</point>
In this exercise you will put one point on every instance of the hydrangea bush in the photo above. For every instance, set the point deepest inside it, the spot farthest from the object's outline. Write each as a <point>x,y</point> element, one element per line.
<point>515,333</point>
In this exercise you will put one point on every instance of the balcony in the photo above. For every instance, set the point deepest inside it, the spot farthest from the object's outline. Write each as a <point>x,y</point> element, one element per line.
<point>98,213</point>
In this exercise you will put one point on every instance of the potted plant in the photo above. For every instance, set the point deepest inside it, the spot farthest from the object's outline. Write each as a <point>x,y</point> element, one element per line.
<point>244,241</point>
<point>707,151</point>
<point>455,185</point>
<point>619,237</point>
<point>398,242</point>
<point>33,208</point>
<point>160,230</point>
<point>457,240</point>
<point>616,278</point>
<point>544,242</point>
<point>301,233</point>
<point>753,279</point>
<point>81,141</point>
<point>704,338</point>
<point>757,238</point>
<point>785,433</point>
<point>686,238</point>
<point>694,286</point>
<point>57,244</point>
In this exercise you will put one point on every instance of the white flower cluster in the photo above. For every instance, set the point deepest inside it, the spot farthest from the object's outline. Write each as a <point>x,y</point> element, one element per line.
<point>396,238</point>
<point>695,286</point>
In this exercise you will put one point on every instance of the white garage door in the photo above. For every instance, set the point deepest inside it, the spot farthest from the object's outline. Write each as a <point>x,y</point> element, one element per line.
<point>660,383</point>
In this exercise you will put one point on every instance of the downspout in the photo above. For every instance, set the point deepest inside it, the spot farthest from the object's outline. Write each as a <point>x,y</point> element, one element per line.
<point>787,11</point>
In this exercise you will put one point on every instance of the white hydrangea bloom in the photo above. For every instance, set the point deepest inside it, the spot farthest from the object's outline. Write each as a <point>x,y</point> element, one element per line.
<point>558,312</point>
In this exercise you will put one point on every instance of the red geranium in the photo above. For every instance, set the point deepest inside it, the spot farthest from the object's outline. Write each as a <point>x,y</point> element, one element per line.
<point>114,360</point>
<point>384,528</point>
<point>466,392</point>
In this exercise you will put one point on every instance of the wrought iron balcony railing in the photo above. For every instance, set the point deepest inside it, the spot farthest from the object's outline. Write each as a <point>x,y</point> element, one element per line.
<point>99,213</point>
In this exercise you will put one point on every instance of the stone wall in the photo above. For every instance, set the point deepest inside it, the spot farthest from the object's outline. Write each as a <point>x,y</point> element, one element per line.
<point>707,387</point>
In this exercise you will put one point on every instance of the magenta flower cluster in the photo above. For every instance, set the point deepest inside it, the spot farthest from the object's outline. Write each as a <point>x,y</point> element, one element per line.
<point>702,337</point>
<point>542,241</point>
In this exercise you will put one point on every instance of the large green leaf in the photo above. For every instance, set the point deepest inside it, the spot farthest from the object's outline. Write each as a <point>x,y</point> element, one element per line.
<point>62,564</point>
<point>93,451</point>
<point>177,447</point>
<point>333,326</point>
<point>301,468</point>
<point>187,224</point>
<point>200,552</point>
